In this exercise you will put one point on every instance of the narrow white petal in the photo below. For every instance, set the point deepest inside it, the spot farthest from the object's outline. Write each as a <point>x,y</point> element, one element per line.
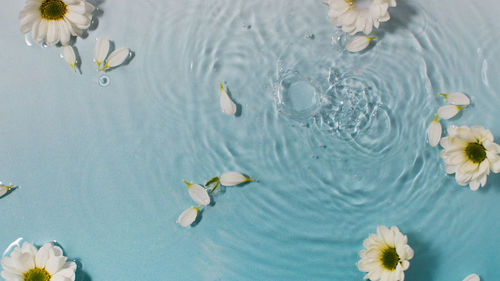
<point>79,20</point>
<point>117,57</point>
<point>472,277</point>
<point>188,217</point>
<point>448,111</point>
<point>64,32</point>
<point>52,33</point>
<point>457,98</point>
<point>358,43</point>
<point>101,50</point>
<point>434,132</point>
<point>233,178</point>
<point>226,104</point>
<point>69,56</point>
<point>199,194</point>
<point>3,190</point>
<point>42,256</point>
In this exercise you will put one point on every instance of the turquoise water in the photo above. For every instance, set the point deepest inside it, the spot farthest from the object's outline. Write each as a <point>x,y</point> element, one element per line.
<point>100,169</point>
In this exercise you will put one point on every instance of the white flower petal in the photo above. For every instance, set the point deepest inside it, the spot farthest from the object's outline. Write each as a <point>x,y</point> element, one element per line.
<point>52,33</point>
<point>3,190</point>
<point>198,193</point>
<point>82,21</point>
<point>64,32</point>
<point>448,111</point>
<point>101,51</point>
<point>472,277</point>
<point>55,263</point>
<point>42,256</point>
<point>69,56</point>
<point>457,98</point>
<point>117,57</point>
<point>233,178</point>
<point>226,104</point>
<point>434,132</point>
<point>358,43</point>
<point>188,217</point>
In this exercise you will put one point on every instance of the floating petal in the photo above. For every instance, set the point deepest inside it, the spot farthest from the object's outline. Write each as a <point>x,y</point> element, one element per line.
<point>358,43</point>
<point>233,178</point>
<point>117,57</point>
<point>434,132</point>
<point>472,277</point>
<point>198,193</point>
<point>448,111</point>
<point>188,216</point>
<point>69,56</point>
<point>101,51</point>
<point>227,105</point>
<point>4,189</point>
<point>457,98</point>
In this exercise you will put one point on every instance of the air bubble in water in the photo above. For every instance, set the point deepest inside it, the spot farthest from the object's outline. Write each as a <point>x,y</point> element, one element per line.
<point>104,81</point>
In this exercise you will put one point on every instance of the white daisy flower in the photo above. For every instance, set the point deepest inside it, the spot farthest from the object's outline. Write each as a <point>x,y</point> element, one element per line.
<point>198,193</point>
<point>53,21</point>
<point>434,132</point>
<point>358,43</point>
<point>4,189</point>
<point>386,255</point>
<point>233,178</point>
<point>188,216</point>
<point>353,17</point>
<point>457,98</point>
<point>472,277</point>
<point>470,154</point>
<point>226,104</point>
<point>26,263</point>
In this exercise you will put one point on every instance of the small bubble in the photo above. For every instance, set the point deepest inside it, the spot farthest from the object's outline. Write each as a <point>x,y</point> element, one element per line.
<point>44,45</point>
<point>104,81</point>
<point>310,36</point>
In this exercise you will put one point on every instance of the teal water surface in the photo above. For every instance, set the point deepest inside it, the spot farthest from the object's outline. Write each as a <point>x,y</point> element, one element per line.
<point>336,141</point>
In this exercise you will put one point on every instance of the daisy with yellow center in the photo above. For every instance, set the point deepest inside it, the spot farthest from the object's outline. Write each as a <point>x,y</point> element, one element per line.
<point>470,154</point>
<point>359,15</point>
<point>386,255</point>
<point>27,263</point>
<point>54,21</point>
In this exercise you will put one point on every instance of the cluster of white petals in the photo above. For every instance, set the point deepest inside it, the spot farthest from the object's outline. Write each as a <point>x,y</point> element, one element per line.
<point>54,21</point>
<point>346,14</point>
<point>29,263</point>
<point>471,154</point>
<point>201,195</point>
<point>116,58</point>
<point>386,255</point>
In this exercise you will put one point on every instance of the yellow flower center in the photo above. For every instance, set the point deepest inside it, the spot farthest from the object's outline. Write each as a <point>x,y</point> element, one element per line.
<point>37,274</point>
<point>475,152</point>
<point>389,258</point>
<point>53,9</point>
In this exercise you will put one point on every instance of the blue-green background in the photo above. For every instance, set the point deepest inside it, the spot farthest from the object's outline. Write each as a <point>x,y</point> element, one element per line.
<point>100,169</point>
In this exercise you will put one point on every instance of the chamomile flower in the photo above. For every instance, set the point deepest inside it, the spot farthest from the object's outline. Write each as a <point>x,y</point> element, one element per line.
<point>54,21</point>
<point>386,255</point>
<point>355,17</point>
<point>31,264</point>
<point>470,154</point>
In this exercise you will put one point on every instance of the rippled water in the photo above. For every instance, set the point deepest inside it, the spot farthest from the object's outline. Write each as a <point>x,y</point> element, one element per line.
<point>335,140</point>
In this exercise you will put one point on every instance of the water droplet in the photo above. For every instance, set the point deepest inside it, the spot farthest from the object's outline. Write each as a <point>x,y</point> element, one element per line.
<point>28,39</point>
<point>104,81</point>
<point>310,36</point>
